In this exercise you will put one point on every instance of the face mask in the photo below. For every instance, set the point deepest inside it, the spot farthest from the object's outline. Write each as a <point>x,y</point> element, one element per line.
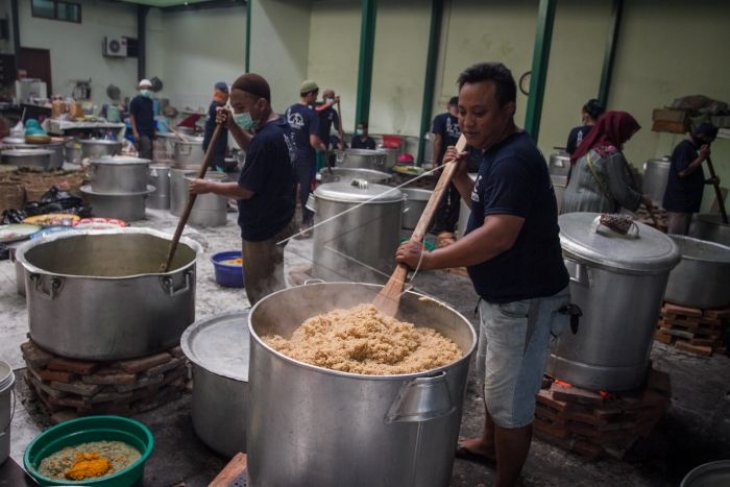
<point>245,121</point>
<point>146,93</point>
<point>329,100</point>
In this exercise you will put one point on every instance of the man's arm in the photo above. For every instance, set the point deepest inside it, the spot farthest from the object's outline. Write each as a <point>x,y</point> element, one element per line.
<point>696,163</point>
<point>316,142</point>
<point>229,190</point>
<point>438,142</point>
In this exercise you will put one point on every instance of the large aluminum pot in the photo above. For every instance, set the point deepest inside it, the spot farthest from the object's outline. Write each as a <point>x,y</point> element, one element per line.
<point>159,177</point>
<point>656,175</point>
<point>713,474</point>
<point>36,158</point>
<point>179,189</point>
<point>618,282</point>
<point>57,148</point>
<point>339,429</point>
<point>189,151</point>
<point>711,228</point>
<point>416,200</point>
<point>7,408</point>
<point>464,211</point>
<point>128,207</point>
<point>100,295</point>
<point>218,347</point>
<point>346,175</point>
<point>359,245</point>
<point>209,209</point>
<point>119,174</point>
<point>98,148</point>
<point>702,278</point>
<point>366,159</point>
<point>559,164</point>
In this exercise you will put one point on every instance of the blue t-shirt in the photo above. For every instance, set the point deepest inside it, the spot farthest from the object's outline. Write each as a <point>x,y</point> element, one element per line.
<point>268,172</point>
<point>327,118</point>
<point>447,126</point>
<point>303,122</point>
<point>141,107</point>
<point>684,195</point>
<point>576,136</point>
<point>358,143</point>
<point>513,180</point>
<point>221,145</point>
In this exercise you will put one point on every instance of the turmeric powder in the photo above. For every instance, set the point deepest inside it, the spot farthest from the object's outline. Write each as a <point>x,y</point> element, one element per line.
<point>88,465</point>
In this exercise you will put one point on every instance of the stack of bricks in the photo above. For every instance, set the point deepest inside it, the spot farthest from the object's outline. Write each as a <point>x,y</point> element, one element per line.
<point>69,388</point>
<point>643,216</point>
<point>599,424</point>
<point>693,330</point>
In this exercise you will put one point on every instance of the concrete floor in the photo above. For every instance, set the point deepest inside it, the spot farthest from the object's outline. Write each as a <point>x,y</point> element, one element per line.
<point>696,429</point>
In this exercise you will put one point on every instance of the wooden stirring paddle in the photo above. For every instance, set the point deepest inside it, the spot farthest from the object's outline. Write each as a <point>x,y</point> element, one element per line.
<point>191,200</point>
<point>388,299</point>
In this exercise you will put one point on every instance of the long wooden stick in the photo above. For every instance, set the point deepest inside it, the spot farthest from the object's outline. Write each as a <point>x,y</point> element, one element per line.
<point>718,193</point>
<point>388,300</point>
<point>191,200</point>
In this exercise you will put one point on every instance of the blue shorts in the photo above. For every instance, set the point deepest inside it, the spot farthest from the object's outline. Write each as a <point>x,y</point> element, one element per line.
<point>514,341</point>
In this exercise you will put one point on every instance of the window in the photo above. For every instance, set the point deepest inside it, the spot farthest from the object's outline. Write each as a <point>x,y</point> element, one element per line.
<point>56,10</point>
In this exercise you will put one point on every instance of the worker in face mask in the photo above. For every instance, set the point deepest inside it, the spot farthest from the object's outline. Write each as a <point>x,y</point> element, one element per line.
<point>220,98</point>
<point>142,119</point>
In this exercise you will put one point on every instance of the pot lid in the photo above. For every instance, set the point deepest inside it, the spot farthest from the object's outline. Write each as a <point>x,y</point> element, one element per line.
<point>643,249</point>
<point>358,191</point>
<point>14,140</point>
<point>119,160</point>
<point>220,344</point>
<point>100,142</point>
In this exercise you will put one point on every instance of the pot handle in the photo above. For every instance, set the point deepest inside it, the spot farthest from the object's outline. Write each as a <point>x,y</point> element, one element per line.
<point>421,399</point>
<point>47,288</point>
<point>578,273</point>
<point>169,287</point>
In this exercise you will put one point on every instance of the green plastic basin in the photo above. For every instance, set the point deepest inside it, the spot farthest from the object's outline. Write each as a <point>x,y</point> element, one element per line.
<point>84,430</point>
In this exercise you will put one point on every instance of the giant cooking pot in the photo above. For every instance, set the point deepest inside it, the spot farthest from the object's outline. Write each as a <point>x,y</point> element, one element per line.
<point>35,158</point>
<point>119,174</point>
<point>188,151</point>
<point>99,295</point>
<point>340,429</point>
<point>360,244</point>
<point>57,147</point>
<point>656,175</point>
<point>710,227</point>
<point>619,282</point>
<point>702,278</point>
<point>366,159</point>
<point>346,174</point>
<point>97,148</point>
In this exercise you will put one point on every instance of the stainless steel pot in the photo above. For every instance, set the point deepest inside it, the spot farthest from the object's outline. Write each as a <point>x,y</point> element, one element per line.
<point>366,159</point>
<point>127,207</point>
<point>99,295</point>
<point>359,245</point>
<point>711,228</point>
<point>702,278</point>
<point>464,211</point>
<point>159,177</point>
<point>209,209</point>
<point>37,158</point>
<point>179,189</point>
<point>391,157</point>
<point>713,474</point>
<point>73,152</point>
<point>339,429</point>
<point>416,200</point>
<point>218,347</point>
<point>559,164</point>
<point>656,175</point>
<point>57,148</point>
<point>98,148</point>
<point>189,151</point>
<point>618,282</point>
<point>119,175</point>
<point>344,174</point>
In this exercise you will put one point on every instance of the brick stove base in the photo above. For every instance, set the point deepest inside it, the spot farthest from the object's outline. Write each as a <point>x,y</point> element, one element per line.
<point>597,424</point>
<point>694,330</point>
<point>69,388</point>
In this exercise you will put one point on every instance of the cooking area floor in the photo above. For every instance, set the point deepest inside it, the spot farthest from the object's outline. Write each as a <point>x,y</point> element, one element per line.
<point>695,430</point>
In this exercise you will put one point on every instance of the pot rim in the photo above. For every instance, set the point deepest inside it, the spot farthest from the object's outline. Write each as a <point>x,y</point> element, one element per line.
<point>27,152</point>
<point>99,142</point>
<point>708,243</point>
<point>21,251</point>
<point>349,375</point>
<point>87,189</point>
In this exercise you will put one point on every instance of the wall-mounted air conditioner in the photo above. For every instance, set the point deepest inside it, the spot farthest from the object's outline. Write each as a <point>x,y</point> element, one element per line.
<point>114,46</point>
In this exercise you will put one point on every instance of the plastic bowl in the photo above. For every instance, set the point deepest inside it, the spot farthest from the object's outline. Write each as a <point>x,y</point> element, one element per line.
<point>84,430</point>
<point>228,275</point>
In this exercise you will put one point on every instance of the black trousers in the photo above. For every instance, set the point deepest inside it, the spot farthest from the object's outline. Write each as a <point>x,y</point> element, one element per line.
<point>447,213</point>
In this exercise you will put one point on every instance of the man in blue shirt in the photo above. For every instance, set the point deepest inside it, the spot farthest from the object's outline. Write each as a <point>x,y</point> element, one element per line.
<point>142,119</point>
<point>304,124</point>
<point>446,133</point>
<point>513,255</point>
<point>220,98</point>
<point>361,139</point>
<point>266,188</point>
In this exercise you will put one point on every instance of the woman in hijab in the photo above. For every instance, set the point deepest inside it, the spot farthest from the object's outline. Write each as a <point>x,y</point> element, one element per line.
<point>600,180</point>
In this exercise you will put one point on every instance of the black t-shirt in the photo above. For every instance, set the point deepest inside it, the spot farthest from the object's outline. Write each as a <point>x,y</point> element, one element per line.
<point>268,172</point>
<point>513,180</point>
<point>684,195</point>
<point>222,144</point>
<point>575,137</point>
<point>327,118</point>
<point>141,108</point>
<point>303,122</point>
<point>447,126</point>
<point>358,143</point>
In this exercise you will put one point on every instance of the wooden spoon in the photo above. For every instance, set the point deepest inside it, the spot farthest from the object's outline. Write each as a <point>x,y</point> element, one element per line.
<point>388,299</point>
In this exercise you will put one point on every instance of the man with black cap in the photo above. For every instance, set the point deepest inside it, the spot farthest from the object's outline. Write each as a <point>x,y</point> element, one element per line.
<point>686,181</point>
<point>220,98</point>
<point>142,119</point>
<point>266,188</point>
<point>304,124</point>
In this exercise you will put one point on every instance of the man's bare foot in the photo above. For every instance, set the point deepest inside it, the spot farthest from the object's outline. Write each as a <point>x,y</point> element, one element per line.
<point>475,450</point>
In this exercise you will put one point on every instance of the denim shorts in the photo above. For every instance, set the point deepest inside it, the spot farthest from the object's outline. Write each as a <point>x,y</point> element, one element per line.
<point>514,340</point>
